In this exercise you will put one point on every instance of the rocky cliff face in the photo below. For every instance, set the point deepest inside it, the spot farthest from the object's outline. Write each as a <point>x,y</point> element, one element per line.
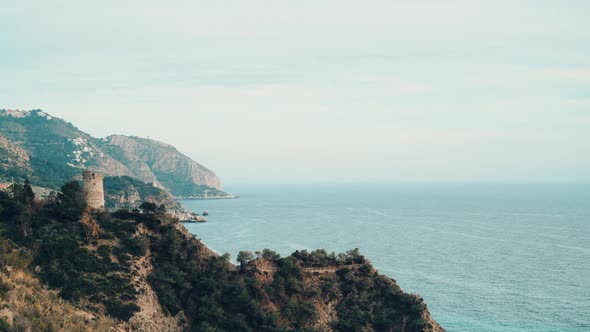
<point>56,151</point>
<point>161,163</point>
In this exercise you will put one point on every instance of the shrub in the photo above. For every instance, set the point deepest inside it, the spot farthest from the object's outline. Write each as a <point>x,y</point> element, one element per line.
<point>120,310</point>
<point>104,251</point>
<point>136,246</point>
<point>4,326</point>
<point>270,255</point>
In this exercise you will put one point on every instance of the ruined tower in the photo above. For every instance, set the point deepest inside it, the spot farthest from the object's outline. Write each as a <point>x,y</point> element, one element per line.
<point>93,190</point>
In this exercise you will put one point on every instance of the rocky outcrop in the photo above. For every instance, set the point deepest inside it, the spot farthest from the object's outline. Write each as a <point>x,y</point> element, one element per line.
<point>151,316</point>
<point>127,192</point>
<point>128,197</point>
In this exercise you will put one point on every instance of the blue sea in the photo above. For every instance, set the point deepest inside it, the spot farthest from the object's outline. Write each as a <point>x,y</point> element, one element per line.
<point>485,257</point>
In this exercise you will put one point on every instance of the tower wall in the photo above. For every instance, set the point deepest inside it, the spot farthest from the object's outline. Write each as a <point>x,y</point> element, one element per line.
<point>93,190</point>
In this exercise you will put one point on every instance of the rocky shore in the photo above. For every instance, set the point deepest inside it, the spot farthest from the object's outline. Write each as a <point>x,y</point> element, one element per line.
<point>207,197</point>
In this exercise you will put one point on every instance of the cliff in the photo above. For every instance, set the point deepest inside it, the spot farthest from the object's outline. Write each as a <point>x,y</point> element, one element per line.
<point>163,165</point>
<point>50,151</point>
<point>142,271</point>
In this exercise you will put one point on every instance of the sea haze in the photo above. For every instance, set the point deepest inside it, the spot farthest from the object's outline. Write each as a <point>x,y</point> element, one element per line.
<point>493,257</point>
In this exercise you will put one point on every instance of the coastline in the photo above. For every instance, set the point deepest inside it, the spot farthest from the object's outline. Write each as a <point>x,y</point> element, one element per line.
<point>201,198</point>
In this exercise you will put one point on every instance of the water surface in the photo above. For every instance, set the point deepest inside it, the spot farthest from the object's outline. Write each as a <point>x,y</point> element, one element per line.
<point>506,257</point>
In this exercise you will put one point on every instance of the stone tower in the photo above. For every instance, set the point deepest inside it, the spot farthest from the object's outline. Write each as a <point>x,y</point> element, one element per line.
<point>93,190</point>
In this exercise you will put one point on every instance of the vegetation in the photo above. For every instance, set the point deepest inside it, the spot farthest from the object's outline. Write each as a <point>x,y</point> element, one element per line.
<point>125,186</point>
<point>148,207</point>
<point>59,151</point>
<point>66,258</point>
<point>186,188</point>
<point>320,257</point>
<point>29,306</point>
<point>47,142</point>
<point>89,258</point>
<point>244,257</point>
<point>120,183</point>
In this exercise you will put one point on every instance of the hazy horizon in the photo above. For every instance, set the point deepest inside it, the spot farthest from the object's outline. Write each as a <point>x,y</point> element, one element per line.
<point>318,91</point>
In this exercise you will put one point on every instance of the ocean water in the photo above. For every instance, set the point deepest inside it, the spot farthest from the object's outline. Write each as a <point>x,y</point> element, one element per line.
<point>503,257</point>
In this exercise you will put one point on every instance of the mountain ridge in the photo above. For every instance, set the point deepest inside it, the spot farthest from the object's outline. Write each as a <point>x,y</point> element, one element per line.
<point>57,151</point>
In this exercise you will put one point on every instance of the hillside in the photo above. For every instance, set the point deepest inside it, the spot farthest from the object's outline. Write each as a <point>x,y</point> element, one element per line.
<point>171,169</point>
<point>50,151</point>
<point>27,304</point>
<point>14,161</point>
<point>144,271</point>
<point>128,192</point>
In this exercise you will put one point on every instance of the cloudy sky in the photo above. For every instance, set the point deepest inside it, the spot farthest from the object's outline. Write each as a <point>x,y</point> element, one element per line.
<point>318,91</point>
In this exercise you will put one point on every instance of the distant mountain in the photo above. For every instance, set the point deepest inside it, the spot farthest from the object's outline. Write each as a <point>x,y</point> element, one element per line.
<point>50,151</point>
<point>161,164</point>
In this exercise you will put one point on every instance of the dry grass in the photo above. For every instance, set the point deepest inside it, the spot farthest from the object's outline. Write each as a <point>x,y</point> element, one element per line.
<point>25,305</point>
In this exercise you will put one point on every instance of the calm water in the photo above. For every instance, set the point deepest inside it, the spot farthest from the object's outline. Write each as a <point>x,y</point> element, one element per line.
<point>484,257</point>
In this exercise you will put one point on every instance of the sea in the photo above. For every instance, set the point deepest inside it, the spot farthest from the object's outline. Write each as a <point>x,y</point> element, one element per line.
<point>484,257</point>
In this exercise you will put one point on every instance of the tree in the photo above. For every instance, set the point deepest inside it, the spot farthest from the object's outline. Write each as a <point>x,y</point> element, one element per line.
<point>148,207</point>
<point>162,208</point>
<point>244,257</point>
<point>72,201</point>
<point>29,195</point>
<point>270,255</point>
<point>15,215</point>
<point>27,198</point>
<point>18,192</point>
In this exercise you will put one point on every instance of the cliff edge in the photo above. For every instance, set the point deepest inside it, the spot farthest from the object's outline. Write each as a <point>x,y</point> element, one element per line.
<point>132,271</point>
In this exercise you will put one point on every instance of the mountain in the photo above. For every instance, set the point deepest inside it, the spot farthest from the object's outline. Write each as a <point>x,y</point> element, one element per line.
<point>167,167</point>
<point>62,267</point>
<point>50,151</point>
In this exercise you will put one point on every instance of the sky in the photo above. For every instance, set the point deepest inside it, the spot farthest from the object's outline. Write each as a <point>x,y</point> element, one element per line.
<point>318,91</point>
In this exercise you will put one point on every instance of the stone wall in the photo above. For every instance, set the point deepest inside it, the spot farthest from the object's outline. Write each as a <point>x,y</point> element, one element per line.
<point>93,189</point>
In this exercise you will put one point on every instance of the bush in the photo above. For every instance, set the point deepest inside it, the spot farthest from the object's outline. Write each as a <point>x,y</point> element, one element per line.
<point>71,202</point>
<point>120,310</point>
<point>4,326</point>
<point>418,308</point>
<point>136,246</point>
<point>148,207</point>
<point>104,251</point>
